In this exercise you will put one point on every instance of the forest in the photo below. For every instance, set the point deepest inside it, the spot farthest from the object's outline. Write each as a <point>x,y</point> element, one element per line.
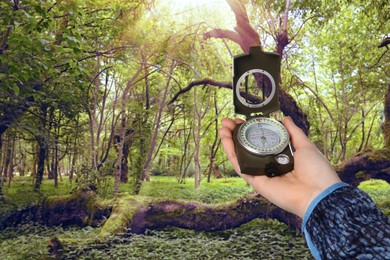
<point>110,114</point>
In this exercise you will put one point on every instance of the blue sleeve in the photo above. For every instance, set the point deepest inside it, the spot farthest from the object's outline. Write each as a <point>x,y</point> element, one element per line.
<point>344,223</point>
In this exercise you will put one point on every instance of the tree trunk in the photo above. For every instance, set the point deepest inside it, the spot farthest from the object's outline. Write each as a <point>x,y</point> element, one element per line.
<point>42,152</point>
<point>10,161</point>
<point>43,147</point>
<point>366,165</point>
<point>7,159</point>
<point>216,144</point>
<point>197,125</point>
<point>56,161</point>
<point>386,123</point>
<point>152,147</point>
<point>122,131</point>
<point>183,163</point>
<point>126,149</point>
<point>196,216</point>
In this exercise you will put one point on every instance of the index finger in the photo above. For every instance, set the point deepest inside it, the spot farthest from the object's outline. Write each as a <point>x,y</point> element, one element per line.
<point>228,146</point>
<point>230,123</point>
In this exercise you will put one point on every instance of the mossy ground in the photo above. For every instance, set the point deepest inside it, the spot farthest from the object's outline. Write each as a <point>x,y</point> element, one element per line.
<point>259,239</point>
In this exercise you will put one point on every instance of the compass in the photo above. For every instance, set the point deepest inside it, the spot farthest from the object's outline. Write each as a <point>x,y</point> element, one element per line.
<point>262,144</point>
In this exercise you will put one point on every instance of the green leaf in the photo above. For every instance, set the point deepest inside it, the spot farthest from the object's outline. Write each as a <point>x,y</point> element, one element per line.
<point>15,89</point>
<point>40,10</point>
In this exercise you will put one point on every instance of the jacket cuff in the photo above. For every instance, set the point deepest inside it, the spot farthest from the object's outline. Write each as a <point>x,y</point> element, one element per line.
<point>309,211</point>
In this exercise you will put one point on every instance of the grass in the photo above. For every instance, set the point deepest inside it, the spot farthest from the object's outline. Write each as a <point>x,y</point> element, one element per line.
<point>379,191</point>
<point>216,191</point>
<point>21,192</point>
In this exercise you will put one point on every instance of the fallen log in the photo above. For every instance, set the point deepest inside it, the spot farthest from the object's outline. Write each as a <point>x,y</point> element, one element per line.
<point>138,214</point>
<point>370,164</point>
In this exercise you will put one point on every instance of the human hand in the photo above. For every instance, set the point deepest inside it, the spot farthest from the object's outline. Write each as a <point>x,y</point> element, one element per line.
<point>293,191</point>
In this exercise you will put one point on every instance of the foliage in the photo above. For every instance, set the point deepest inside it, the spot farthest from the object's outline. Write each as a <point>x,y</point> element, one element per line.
<point>338,79</point>
<point>257,239</point>
<point>31,241</point>
<point>98,181</point>
<point>64,67</point>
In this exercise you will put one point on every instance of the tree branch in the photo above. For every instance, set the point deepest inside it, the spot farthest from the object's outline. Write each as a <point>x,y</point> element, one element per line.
<point>223,34</point>
<point>202,82</point>
<point>244,34</point>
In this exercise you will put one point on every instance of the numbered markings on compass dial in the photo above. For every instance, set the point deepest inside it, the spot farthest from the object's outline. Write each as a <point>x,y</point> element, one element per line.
<point>260,135</point>
<point>263,136</point>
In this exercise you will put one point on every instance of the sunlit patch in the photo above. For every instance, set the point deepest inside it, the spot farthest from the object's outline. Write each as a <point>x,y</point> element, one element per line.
<point>188,4</point>
<point>212,12</point>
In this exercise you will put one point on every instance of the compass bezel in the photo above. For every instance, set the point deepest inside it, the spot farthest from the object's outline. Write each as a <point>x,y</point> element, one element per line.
<point>267,100</point>
<point>278,128</point>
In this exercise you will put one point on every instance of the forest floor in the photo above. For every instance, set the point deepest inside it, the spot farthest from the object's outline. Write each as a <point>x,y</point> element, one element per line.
<point>258,239</point>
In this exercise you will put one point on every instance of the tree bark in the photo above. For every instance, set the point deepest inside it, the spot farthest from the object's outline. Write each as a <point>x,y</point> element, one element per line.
<point>42,152</point>
<point>201,217</point>
<point>216,143</point>
<point>243,34</point>
<point>199,105</point>
<point>126,149</point>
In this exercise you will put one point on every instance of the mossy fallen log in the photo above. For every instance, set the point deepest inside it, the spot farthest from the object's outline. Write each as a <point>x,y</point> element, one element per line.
<point>136,214</point>
<point>202,217</point>
<point>81,209</point>
<point>370,164</point>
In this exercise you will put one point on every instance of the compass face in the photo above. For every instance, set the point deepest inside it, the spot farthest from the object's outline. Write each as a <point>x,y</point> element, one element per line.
<point>263,136</point>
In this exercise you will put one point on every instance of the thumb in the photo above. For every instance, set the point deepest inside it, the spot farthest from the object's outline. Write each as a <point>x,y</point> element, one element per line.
<point>298,137</point>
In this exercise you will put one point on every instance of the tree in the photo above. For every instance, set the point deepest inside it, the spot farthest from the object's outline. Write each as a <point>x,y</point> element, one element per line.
<point>245,36</point>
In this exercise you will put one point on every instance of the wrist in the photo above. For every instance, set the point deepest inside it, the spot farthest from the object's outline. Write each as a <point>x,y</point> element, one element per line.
<point>314,202</point>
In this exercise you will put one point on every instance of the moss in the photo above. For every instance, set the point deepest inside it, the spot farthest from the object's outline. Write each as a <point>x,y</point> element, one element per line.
<point>361,175</point>
<point>379,191</point>
<point>75,209</point>
<point>374,185</point>
<point>124,207</point>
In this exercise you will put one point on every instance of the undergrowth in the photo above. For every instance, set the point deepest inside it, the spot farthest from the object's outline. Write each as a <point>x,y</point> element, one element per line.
<point>258,239</point>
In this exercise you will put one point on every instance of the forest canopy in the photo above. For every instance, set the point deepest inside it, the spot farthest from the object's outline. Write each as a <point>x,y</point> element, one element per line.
<point>129,89</point>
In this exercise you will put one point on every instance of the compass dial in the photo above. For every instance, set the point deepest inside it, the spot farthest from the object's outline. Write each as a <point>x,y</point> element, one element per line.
<point>263,136</point>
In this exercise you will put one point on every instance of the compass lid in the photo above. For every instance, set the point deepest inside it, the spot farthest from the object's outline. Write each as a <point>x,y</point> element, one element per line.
<point>256,82</point>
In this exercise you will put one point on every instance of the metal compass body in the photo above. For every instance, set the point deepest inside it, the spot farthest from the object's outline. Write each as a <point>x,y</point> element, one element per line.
<point>262,144</point>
